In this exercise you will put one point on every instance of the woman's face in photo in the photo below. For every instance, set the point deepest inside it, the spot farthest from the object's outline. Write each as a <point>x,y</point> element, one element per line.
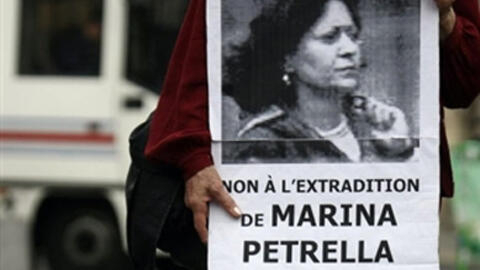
<point>328,55</point>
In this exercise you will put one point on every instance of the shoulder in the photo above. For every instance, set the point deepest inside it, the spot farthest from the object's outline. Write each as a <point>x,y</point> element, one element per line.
<point>239,124</point>
<point>260,125</point>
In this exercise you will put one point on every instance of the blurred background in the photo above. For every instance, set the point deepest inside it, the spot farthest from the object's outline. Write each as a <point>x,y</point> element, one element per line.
<point>76,77</point>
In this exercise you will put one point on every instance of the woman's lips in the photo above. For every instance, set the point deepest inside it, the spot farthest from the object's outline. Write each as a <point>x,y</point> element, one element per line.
<point>346,68</point>
<point>348,71</point>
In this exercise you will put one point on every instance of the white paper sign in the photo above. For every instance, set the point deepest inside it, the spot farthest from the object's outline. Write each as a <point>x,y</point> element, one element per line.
<point>324,118</point>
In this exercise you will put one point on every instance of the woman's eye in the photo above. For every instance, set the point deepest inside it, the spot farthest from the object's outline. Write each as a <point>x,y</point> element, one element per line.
<point>353,35</point>
<point>335,34</point>
<point>330,36</point>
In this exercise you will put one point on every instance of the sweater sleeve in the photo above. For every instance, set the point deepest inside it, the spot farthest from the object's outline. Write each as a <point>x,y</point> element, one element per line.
<point>460,57</point>
<point>179,133</point>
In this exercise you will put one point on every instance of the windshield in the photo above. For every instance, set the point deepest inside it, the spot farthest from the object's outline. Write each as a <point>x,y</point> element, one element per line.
<point>60,37</point>
<point>152,30</point>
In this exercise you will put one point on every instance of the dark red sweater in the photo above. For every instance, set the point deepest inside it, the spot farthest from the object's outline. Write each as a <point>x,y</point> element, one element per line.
<point>179,134</point>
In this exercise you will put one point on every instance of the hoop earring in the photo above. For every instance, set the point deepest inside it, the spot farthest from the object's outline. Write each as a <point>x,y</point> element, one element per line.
<point>286,79</point>
<point>287,73</point>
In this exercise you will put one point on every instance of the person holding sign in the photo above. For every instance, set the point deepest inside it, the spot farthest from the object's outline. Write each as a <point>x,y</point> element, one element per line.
<point>306,102</point>
<point>179,136</point>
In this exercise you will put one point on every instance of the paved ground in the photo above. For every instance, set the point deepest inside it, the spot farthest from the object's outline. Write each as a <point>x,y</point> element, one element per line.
<point>13,246</point>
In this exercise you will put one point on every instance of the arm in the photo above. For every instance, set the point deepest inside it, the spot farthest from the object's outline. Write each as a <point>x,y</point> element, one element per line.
<point>460,52</point>
<point>179,133</point>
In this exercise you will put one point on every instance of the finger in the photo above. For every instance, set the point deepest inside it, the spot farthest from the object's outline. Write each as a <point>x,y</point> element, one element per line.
<point>220,195</point>
<point>372,110</point>
<point>385,119</point>
<point>392,117</point>
<point>200,222</point>
<point>372,114</point>
<point>380,114</point>
<point>444,4</point>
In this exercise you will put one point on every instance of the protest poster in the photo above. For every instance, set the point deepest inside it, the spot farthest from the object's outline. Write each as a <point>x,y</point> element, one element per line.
<point>324,120</point>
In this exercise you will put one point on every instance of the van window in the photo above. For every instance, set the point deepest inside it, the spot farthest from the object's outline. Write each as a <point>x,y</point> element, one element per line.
<point>60,37</point>
<point>152,30</point>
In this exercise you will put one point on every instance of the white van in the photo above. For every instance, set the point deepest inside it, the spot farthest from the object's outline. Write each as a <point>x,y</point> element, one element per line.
<point>76,77</point>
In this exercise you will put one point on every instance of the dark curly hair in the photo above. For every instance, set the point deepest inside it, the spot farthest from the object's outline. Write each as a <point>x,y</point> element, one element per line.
<point>254,74</point>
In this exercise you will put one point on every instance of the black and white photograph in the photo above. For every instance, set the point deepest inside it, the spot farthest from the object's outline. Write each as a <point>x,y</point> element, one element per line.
<point>320,81</point>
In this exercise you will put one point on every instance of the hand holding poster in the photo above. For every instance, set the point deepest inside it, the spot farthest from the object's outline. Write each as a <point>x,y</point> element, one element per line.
<point>325,127</point>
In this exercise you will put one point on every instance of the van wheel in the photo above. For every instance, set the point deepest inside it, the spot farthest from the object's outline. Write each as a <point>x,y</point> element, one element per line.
<point>83,239</point>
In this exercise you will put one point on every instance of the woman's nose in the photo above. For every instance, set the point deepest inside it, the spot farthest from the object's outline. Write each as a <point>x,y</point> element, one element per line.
<point>347,45</point>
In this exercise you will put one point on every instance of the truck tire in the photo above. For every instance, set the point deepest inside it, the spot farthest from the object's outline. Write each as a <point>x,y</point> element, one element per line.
<point>83,239</point>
